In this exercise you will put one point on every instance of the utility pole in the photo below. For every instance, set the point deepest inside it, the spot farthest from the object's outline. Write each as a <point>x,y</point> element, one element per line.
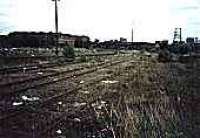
<point>56,24</point>
<point>132,35</point>
<point>180,34</point>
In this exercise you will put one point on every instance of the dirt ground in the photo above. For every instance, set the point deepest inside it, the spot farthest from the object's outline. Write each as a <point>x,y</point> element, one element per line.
<point>145,98</point>
<point>139,98</point>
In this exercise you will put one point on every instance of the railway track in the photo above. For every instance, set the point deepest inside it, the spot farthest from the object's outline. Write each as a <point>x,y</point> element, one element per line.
<point>64,116</point>
<point>32,67</point>
<point>18,86</point>
<point>49,99</point>
<point>39,66</point>
<point>59,117</point>
<point>48,57</point>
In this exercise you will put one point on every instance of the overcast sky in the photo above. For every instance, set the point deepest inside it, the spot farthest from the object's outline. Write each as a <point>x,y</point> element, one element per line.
<point>104,19</point>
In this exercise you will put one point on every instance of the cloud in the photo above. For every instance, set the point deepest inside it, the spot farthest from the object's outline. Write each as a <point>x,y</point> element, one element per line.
<point>104,19</point>
<point>2,14</point>
<point>190,8</point>
<point>196,23</point>
<point>185,14</point>
<point>5,28</point>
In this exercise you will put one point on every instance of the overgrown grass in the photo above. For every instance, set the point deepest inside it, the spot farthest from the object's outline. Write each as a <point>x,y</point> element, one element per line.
<point>141,104</point>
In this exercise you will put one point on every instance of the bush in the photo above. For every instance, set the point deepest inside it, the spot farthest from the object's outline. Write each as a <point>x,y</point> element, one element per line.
<point>68,52</point>
<point>83,58</point>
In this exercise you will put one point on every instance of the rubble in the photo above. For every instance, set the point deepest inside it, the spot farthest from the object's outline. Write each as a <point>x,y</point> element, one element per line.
<point>17,103</point>
<point>81,82</point>
<point>76,104</point>
<point>60,103</point>
<point>137,105</point>
<point>40,73</point>
<point>109,82</point>
<point>85,92</point>
<point>77,120</point>
<point>59,131</point>
<point>25,98</point>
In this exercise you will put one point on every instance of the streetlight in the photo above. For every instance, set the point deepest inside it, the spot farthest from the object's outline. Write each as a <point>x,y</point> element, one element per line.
<point>56,24</point>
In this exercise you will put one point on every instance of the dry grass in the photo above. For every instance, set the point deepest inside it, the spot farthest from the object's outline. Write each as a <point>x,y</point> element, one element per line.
<point>142,103</point>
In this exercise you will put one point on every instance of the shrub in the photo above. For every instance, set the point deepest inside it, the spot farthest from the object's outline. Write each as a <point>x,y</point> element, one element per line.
<point>68,52</point>
<point>83,58</point>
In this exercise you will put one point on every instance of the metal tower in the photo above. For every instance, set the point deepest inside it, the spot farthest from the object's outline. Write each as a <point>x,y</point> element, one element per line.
<point>177,35</point>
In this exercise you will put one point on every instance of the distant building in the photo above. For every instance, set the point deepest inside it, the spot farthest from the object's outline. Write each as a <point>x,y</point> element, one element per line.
<point>123,40</point>
<point>74,40</point>
<point>196,40</point>
<point>190,40</point>
<point>42,39</point>
<point>67,39</point>
<point>162,44</point>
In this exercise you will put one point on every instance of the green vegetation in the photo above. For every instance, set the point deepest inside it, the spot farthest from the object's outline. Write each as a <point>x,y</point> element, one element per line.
<point>143,104</point>
<point>83,58</point>
<point>69,52</point>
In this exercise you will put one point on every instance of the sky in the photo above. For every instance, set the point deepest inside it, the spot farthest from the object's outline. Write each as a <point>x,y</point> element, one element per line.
<point>151,20</point>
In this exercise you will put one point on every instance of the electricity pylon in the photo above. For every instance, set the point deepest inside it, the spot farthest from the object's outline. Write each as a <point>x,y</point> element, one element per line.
<point>177,35</point>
